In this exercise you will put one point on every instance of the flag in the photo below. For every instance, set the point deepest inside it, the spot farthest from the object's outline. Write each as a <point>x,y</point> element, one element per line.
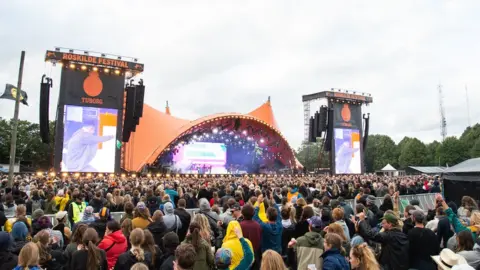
<point>11,93</point>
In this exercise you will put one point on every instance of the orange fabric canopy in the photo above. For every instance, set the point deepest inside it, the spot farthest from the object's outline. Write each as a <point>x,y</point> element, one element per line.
<point>157,131</point>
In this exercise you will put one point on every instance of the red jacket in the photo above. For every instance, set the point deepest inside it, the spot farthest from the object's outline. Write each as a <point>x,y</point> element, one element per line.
<point>114,245</point>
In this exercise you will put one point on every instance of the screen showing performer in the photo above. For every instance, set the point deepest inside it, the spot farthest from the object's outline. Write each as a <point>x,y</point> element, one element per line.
<point>89,143</point>
<point>201,157</point>
<point>348,158</point>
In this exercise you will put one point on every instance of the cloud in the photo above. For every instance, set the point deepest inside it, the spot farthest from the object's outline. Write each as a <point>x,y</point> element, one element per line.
<point>218,56</point>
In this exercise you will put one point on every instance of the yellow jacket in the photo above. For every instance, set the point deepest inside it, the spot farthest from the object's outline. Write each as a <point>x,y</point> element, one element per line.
<point>231,241</point>
<point>9,224</point>
<point>261,212</point>
<point>61,202</point>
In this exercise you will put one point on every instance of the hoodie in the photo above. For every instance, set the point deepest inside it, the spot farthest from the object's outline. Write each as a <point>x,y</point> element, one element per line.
<point>271,232</point>
<point>114,245</point>
<point>211,216</point>
<point>345,228</point>
<point>171,220</point>
<point>231,241</point>
<point>158,230</point>
<point>472,256</point>
<point>308,250</point>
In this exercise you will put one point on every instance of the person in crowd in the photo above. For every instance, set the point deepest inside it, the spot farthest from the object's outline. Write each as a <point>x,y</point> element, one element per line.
<point>9,207</point>
<point>20,214</point>
<point>443,229</point>
<point>338,218</point>
<point>205,231</point>
<point>76,208</point>
<point>139,266</point>
<point>185,218</point>
<point>232,213</point>
<point>338,229</point>
<point>152,202</point>
<point>127,228</point>
<point>113,243</point>
<point>88,256</point>
<point>449,260</point>
<point>213,218</point>
<point>88,216</point>
<point>150,246</point>
<point>28,258</point>
<point>184,257</point>
<point>271,230</point>
<point>136,253</point>
<point>215,199</point>
<point>128,208</point>
<point>301,228</point>
<point>423,244</point>
<point>395,246</point>
<point>171,193</point>
<point>171,220</point>
<point>98,201</point>
<point>170,244</point>
<point>232,242</point>
<point>77,238</point>
<point>468,206</point>
<point>141,218</point>
<point>51,257</point>
<point>204,259</point>
<point>8,260</point>
<point>19,235</point>
<point>456,223</point>
<point>62,227</point>
<point>223,257</point>
<point>363,258</point>
<point>157,228</point>
<point>332,256</point>
<point>309,247</point>
<point>271,260</point>
<point>36,215</point>
<point>467,248</point>
<point>100,224</point>
<point>252,231</point>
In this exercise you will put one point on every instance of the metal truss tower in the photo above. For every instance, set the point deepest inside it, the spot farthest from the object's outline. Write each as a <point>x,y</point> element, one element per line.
<point>443,121</point>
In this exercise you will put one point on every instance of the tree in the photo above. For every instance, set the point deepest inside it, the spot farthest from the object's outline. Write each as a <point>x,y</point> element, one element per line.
<point>470,135</point>
<point>432,158</point>
<point>380,151</point>
<point>309,154</point>
<point>413,153</point>
<point>452,151</point>
<point>475,150</point>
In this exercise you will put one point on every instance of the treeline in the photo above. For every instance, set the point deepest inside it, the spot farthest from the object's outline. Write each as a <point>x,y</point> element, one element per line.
<point>382,150</point>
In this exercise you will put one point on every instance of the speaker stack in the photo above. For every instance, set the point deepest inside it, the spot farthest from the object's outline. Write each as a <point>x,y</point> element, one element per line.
<point>45,86</point>
<point>133,109</point>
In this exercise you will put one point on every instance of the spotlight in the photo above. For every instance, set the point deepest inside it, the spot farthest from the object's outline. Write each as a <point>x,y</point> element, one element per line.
<point>195,136</point>
<point>72,66</point>
<point>215,130</point>
<point>158,175</point>
<point>134,175</point>
<point>100,175</point>
<point>64,174</point>
<point>117,71</point>
<point>206,135</point>
<point>52,174</point>
<point>236,137</point>
<point>112,175</point>
<point>70,51</point>
<point>178,175</point>
<point>249,138</point>
<point>84,67</point>
<point>39,173</point>
<point>167,175</point>
<point>60,64</point>
<point>149,175</point>
<point>95,69</point>
<point>244,132</point>
<point>106,70</point>
<point>57,49</point>
<point>85,52</point>
<point>230,133</point>
<point>123,175</point>
<point>103,55</point>
<point>89,175</point>
<point>77,175</point>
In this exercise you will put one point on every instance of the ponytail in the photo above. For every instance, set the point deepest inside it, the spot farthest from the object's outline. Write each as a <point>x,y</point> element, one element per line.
<point>196,238</point>
<point>93,258</point>
<point>138,253</point>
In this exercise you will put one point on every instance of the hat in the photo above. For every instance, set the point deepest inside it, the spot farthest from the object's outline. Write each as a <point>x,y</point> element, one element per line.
<point>19,231</point>
<point>223,258</point>
<point>390,218</point>
<point>60,193</point>
<point>370,200</point>
<point>88,211</point>
<point>37,214</point>
<point>447,259</point>
<point>61,215</point>
<point>5,241</point>
<point>236,206</point>
<point>315,222</point>
<point>418,216</point>
<point>462,267</point>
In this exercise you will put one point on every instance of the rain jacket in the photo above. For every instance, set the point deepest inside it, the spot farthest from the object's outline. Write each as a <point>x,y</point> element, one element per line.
<point>61,202</point>
<point>309,249</point>
<point>204,259</point>
<point>458,226</point>
<point>240,260</point>
<point>271,232</point>
<point>171,220</point>
<point>114,245</point>
<point>472,256</point>
<point>261,212</point>
<point>333,260</point>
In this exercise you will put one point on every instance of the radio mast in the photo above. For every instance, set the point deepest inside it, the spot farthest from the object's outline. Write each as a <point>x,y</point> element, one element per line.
<point>443,121</point>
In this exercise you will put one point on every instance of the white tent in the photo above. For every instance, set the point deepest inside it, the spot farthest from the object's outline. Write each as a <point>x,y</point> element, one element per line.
<point>388,168</point>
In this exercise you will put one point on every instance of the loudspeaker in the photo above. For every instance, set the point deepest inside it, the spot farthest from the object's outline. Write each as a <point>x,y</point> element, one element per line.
<point>311,130</point>
<point>139,96</point>
<point>129,121</point>
<point>365,134</point>
<point>322,120</point>
<point>45,86</point>
<point>237,124</point>
<point>316,131</point>
<point>328,138</point>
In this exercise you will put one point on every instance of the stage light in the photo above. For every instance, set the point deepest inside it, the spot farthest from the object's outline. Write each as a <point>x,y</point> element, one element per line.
<point>64,174</point>
<point>77,175</point>
<point>231,133</point>
<point>135,60</point>
<point>123,175</point>
<point>262,140</point>
<point>244,132</point>
<point>158,175</point>
<point>57,49</point>
<point>52,174</point>
<point>95,69</point>
<point>215,130</point>
<point>117,71</point>
<point>106,70</point>
<point>85,52</point>
<point>195,136</point>
<point>89,175</point>
<point>84,67</point>
<point>206,135</point>
<point>167,175</point>
<point>119,58</point>
<point>149,175</point>
<point>39,173</point>
<point>249,138</point>
<point>60,64</point>
<point>103,55</point>
<point>100,175</point>
<point>70,51</point>
<point>236,137</point>
<point>178,175</point>
<point>112,175</point>
<point>134,175</point>
<point>72,66</point>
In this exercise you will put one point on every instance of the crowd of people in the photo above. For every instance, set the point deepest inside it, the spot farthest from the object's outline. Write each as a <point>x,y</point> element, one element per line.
<point>260,222</point>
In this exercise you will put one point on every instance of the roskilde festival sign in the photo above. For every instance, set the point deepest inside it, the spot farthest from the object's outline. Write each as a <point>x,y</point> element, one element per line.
<point>93,60</point>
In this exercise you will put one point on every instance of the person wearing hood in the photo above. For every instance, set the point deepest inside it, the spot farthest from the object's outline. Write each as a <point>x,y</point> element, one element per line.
<point>171,220</point>
<point>309,248</point>
<point>232,242</point>
<point>88,216</point>
<point>223,257</point>
<point>8,260</point>
<point>114,243</point>
<point>19,234</point>
<point>158,228</point>
<point>37,214</point>
<point>100,225</point>
<point>212,217</point>
<point>271,230</point>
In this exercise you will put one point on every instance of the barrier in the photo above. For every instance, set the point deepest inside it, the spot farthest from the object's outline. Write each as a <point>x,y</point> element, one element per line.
<point>427,201</point>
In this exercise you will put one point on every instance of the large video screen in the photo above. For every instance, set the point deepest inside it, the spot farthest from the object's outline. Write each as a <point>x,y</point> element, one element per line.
<point>191,157</point>
<point>348,158</point>
<point>89,139</point>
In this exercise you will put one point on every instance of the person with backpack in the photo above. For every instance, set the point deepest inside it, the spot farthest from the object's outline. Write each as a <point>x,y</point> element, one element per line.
<point>171,220</point>
<point>35,202</point>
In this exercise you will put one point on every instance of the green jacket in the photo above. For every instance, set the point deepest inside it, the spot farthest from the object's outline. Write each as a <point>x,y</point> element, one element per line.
<point>204,259</point>
<point>457,225</point>
<point>309,249</point>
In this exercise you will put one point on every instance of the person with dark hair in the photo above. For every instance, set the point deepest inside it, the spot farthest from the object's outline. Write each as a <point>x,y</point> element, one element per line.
<point>100,225</point>
<point>76,240</point>
<point>467,248</point>
<point>128,208</point>
<point>8,260</point>
<point>204,257</point>
<point>50,257</point>
<point>301,228</point>
<point>271,230</point>
<point>114,243</point>
<point>332,257</point>
<point>309,247</point>
<point>185,218</point>
<point>76,208</point>
<point>170,244</point>
<point>252,231</point>
<point>423,244</point>
<point>89,256</point>
<point>150,246</point>
<point>184,257</point>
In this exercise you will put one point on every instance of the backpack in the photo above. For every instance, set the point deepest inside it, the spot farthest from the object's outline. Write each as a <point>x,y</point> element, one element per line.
<point>37,204</point>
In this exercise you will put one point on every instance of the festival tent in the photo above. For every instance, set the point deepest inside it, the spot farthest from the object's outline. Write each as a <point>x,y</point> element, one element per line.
<point>462,179</point>
<point>430,170</point>
<point>388,170</point>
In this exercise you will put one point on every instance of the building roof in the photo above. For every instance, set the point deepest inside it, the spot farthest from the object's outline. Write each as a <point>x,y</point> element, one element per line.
<point>158,132</point>
<point>388,168</point>
<point>428,169</point>
<point>468,166</point>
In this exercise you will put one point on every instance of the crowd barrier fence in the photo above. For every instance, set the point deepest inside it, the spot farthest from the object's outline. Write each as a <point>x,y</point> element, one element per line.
<point>427,201</point>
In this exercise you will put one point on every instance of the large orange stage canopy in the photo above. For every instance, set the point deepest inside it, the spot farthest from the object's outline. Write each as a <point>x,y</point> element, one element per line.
<point>158,132</point>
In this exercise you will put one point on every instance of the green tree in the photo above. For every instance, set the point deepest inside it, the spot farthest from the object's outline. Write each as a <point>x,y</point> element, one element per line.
<point>470,135</point>
<point>413,153</point>
<point>452,151</point>
<point>475,150</point>
<point>432,158</point>
<point>309,155</point>
<point>380,151</point>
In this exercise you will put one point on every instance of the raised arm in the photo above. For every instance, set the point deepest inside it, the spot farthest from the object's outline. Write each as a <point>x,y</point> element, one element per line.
<point>247,259</point>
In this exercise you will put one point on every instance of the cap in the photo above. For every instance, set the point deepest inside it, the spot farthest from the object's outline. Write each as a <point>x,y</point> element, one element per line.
<point>236,206</point>
<point>223,258</point>
<point>315,222</point>
<point>390,218</point>
<point>418,216</point>
<point>61,215</point>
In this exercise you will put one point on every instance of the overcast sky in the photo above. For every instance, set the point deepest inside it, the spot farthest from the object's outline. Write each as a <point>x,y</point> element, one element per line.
<point>228,56</point>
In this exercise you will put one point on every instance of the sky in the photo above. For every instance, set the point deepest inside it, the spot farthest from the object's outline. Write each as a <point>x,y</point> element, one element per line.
<point>207,57</point>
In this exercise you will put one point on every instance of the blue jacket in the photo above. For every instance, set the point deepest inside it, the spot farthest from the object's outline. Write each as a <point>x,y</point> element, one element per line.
<point>271,232</point>
<point>172,193</point>
<point>333,260</point>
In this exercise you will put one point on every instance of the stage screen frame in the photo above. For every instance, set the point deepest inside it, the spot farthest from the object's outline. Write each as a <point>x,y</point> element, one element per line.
<point>354,143</point>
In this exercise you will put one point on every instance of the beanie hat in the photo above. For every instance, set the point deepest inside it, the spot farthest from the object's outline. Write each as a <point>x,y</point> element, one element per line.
<point>37,214</point>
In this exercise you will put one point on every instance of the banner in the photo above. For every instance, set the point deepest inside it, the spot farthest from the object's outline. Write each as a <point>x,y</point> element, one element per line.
<point>11,93</point>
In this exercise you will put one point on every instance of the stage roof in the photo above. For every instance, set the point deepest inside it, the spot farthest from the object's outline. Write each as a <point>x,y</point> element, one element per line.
<point>468,166</point>
<point>158,131</point>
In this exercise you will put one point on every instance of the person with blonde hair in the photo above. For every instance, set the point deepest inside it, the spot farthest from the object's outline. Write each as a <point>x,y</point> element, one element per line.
<point>141,216</point>
<point>363,258</point>
<point>136,253</point>
<point>28,258</point>
<point>20,214</point>
<point>139,266</point>
<point>338,229</point>
<point>205,231</point>
<point>271,260</point>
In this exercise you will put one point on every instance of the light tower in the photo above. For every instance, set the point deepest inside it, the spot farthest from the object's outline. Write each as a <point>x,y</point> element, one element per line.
<point>443,121</point>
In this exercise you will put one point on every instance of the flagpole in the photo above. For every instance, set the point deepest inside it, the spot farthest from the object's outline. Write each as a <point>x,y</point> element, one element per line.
<point>13,142</point>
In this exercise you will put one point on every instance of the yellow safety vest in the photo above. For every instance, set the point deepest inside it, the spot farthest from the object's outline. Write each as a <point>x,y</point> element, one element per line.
<point>77,211</point>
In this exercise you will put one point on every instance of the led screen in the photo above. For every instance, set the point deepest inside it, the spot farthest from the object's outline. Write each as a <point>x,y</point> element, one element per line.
<point>348,158</point>
<point>190,157</point>
<point>89,142</point>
